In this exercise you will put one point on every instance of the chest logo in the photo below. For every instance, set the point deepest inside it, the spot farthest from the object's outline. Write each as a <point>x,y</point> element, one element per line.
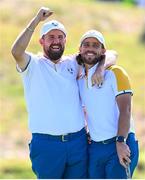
<point>70,70</point>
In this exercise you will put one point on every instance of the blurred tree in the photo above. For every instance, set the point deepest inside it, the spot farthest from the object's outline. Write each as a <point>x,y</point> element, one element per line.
<point>110,0</point>
<point>125,1</point>
<point>129,2</point>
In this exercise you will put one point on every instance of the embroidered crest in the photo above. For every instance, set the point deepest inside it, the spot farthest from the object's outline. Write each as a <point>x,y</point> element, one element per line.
<point>70,70</point>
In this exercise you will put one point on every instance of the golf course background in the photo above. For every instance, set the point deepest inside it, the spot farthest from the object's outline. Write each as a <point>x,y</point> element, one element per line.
<point>122,26</point>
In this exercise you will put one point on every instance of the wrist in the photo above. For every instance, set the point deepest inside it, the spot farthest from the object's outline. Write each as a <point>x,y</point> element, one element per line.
<point>32,25</point>
<point>36,20</point>
<point>29,29</point>
<point>120,139</point>
<point>100,68</point>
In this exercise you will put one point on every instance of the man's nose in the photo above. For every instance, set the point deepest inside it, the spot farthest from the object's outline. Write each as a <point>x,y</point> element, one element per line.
<point>56,40</point>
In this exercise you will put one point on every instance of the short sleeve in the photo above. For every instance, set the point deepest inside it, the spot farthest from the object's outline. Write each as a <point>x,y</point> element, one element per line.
<point>28,67</point>
<point>121,83</point>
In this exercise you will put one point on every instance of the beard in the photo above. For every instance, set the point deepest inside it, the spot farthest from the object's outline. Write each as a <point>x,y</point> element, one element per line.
<point>54,55</point>
<point>91,60</point>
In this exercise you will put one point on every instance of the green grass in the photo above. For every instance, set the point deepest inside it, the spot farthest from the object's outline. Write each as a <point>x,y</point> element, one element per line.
<point>140,170</point>
<point>121,26</point>
<point>16,169</point>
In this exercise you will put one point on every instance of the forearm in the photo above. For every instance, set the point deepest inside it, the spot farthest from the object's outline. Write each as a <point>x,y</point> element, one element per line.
<point>107,60</point>
<point>98,76</point>
<point>111,58</point>
<point>124,124</point>
<point>24,38</point>
<point>123,150</point>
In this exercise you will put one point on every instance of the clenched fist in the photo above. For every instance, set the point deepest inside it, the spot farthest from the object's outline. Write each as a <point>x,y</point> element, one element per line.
<point>43,14</point>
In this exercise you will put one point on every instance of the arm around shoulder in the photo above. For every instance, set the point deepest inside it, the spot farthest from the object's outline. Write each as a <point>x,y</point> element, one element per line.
<point>111,58</point>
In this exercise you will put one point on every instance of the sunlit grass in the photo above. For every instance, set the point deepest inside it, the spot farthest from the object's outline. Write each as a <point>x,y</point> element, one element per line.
<point>16,169</point>
<point>140,170</point>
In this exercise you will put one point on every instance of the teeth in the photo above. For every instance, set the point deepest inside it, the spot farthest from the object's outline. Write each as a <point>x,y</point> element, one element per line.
<point>55,47</point>
<point>90,54</point>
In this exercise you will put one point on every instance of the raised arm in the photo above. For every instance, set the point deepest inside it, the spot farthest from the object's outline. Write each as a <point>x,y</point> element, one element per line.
<point>19,47</point>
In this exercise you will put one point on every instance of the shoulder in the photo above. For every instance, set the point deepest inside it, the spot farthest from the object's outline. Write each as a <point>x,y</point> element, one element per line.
<point>118,71</point>
<point>121,77</point>
<point>116,68</point>
<point>33,58</point>
<point>69,58</point>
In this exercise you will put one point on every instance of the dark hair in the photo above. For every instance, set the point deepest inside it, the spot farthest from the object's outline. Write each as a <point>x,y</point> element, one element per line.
<point>79,59</point>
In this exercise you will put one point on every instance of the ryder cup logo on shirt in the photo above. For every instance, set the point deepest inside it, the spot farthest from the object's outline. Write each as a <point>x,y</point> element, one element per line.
<point>70,70</point>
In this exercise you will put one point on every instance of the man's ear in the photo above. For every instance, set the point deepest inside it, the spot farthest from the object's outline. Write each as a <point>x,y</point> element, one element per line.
<point>41,41</point>
<point>65,41</point>
<point>103,51</point>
